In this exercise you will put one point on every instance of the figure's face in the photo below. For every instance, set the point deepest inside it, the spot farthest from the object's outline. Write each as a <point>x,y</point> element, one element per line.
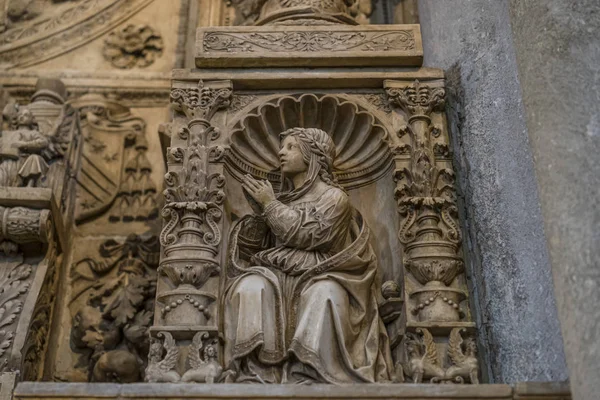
<point>291,157</point>
<point>24,118</point>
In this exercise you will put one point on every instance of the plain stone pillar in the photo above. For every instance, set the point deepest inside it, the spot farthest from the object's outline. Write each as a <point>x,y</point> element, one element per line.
<point>558,56</point>
<point>508,255</point>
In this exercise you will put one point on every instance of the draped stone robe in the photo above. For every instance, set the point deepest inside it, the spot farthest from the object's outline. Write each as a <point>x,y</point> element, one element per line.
<point>305,309</point>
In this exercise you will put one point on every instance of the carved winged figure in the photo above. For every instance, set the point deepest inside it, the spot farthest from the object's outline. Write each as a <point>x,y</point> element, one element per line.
<point>423,362</point>
<point>202,369</point>
<point>464,364</point>
<point>159,369</point>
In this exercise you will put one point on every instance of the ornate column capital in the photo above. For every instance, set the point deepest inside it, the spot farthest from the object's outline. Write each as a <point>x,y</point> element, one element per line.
<point>203,101</point>
<point>416,99</point>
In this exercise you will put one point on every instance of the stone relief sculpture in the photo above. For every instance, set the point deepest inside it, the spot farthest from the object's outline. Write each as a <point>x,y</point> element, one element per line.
<point>133,46</point>
<point>249,12</point>
<point>22,164</point>
<point>116,145</point>
<point>110,325</point>
<point>304,307</point>
<point>39,147</point>
<point>33,31</point>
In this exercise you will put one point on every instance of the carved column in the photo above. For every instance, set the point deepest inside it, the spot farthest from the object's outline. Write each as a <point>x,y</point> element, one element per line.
<point>437,313</point>
<point>40,149</point>
<point>188,285</point>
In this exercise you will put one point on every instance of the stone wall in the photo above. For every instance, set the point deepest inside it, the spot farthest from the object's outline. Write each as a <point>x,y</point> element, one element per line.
<point>509,261</point>
<point>558,57</point>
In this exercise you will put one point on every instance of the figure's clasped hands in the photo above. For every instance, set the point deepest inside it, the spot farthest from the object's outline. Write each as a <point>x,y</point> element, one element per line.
<point>260,191</point>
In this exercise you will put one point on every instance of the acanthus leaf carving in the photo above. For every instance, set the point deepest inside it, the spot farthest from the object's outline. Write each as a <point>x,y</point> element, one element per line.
<point>203,101</point>
<point>110,327</point>
<point>14,284</point>
<point>426,201</point>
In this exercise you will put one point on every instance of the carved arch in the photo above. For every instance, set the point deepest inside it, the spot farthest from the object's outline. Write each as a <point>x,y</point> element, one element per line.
<point>26,43</point>
<point>360,135</point>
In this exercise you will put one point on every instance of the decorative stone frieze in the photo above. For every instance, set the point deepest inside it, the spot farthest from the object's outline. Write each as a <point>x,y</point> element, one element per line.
<point>113,309</point>
<point>315,46</point>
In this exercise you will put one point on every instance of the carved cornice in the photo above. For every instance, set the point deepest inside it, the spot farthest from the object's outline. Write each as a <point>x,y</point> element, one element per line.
<point>322,45</point>
<point>46,38</point>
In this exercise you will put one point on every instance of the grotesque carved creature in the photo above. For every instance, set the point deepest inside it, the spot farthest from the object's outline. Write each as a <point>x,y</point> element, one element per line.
<point>202,369</point>
<point>422,359</point>
<point>464,364</point>
<point>159,369</point>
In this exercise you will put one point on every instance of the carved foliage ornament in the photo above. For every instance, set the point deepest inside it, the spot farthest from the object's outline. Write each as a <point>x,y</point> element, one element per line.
<point>308,41</point>
<point>201,102</point>
<point>133,46</point>
<point>427,202</point>
<point>14,284</point>
<point>110,327</point>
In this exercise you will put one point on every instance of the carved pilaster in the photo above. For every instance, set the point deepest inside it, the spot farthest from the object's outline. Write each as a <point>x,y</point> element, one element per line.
<point>192,232</point>
<point>435,288</point>
<point>40,150</point>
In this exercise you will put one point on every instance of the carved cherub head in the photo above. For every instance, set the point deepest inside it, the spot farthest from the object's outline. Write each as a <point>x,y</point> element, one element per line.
<point>18,117</point>
<point>413,346</point>
<point>210,352</point>
<point>470,347</point>
<point>155,353</point>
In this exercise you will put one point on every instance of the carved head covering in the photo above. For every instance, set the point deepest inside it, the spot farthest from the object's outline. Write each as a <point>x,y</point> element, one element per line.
<point>318,151</point>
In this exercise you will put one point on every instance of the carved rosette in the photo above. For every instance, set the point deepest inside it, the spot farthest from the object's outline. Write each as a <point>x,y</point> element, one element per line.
<point>427,203</point>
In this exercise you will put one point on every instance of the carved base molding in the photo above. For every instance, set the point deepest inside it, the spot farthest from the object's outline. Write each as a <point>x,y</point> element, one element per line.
<point>311,46</point>
<point>522,391</point>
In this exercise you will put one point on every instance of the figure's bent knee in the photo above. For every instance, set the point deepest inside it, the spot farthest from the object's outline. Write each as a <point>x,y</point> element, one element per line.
<point>327,290</point>
<point>252,284</point>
